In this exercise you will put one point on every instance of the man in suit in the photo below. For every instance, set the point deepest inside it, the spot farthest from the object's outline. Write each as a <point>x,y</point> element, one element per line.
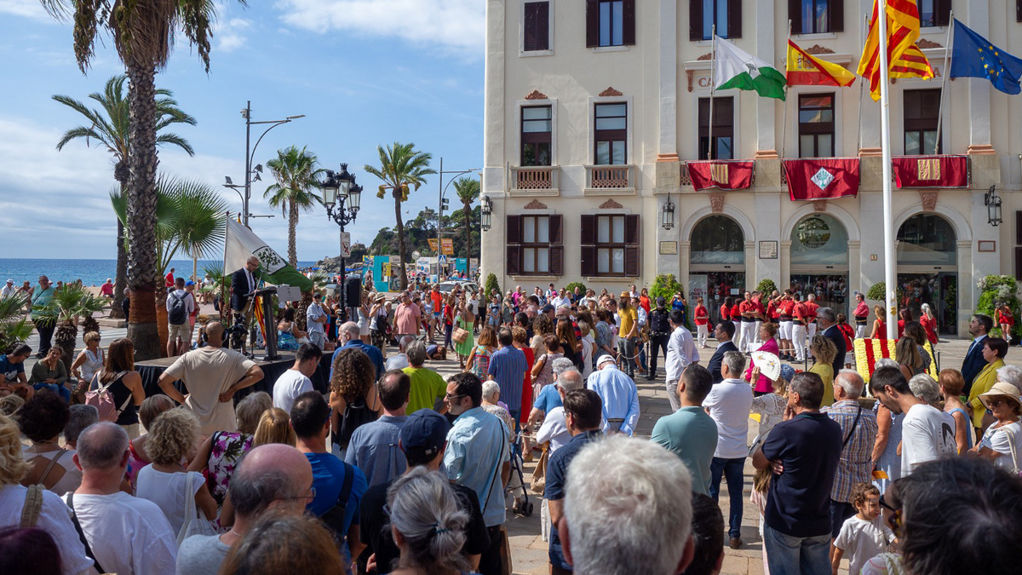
<point>243,282</point>
<point>826,321</point>
<point>724,331</point>
<point>979,326</point>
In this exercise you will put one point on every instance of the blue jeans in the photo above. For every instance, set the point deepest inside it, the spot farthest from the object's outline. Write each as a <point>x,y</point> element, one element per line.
<point>797,555</point>
<point>731,469</point>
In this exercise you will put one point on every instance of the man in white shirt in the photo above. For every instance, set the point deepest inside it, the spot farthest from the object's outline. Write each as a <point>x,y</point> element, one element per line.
<point>180,305</point>
<point>316,320</point>
<point>681,352</point>
<point>619,395</point>
<point>555,425</point>
<point>8,289</point>
<point>925,433</point>
<point>295,381</point>
<point>728,404</point>
<point>128,535</point>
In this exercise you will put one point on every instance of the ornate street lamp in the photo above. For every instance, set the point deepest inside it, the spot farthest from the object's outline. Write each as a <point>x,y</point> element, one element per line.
<point>340,189</point>
<point>993,204</point>
<point>667,214</point>
<point>485,213</point>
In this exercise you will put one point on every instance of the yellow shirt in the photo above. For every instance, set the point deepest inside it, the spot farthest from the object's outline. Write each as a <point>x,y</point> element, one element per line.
<point>628,319</point>
<point>826,373</point>
<point>984,381</point>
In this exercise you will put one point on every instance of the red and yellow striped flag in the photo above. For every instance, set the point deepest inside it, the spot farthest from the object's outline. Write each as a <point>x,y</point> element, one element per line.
<point>904,58</point>
<point>804,69</point>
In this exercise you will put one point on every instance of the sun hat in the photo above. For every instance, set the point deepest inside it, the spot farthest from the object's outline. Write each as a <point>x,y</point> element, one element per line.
<point>626,294</point>
<point>424,433</point>
<point>769,364</point>
<point>604,359</point>
<point>787,372</point>
<point>1001,389</point>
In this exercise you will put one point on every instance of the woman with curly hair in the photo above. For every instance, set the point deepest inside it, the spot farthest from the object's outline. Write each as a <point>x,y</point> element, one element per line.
<point>166,482</point>
<point>150,409</point>
<point>353,396</point>
<point>41,420</point>
<point>280,543</point>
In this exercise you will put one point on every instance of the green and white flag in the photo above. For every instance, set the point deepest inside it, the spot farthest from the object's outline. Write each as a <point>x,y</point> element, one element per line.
<point>241,243</point>
<point>734,68</point>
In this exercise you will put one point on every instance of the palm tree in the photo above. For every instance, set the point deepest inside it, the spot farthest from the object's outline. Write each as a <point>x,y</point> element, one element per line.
<point>14,325</point>
<point>69,303</point>
<point>468,193</point>
<point>143,34</point>
<point>295,171</point>
<point>401,168</point>
<point>108,126</point>
<point>188,218</point>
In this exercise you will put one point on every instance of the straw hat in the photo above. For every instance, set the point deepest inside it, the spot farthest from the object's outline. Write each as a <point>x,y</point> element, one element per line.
<point>1001,389</point>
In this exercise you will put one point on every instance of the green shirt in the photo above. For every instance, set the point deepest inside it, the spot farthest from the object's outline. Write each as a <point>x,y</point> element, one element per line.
<point>690,434</point>
<point>41,298</point>
<point>427,387</point>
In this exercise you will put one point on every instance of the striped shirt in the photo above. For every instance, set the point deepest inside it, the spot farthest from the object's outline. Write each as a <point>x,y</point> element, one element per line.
<point>507,366</point>
<point>855,465</point>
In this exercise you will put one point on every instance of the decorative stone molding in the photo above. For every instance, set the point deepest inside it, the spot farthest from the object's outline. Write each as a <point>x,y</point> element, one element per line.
<point>820,205</point>
<point>536,95</point>
<point>870,152</point>
<point>610,205</point>
<point>667,158</point>
<point>610,92</point>
<point>929,200</point>
<point>981,150</point>
<point>704,57</point>
<point>535,205</point>
<point>717,202</point>
<point>817,49</point>
<point>765,155</point>
<point>925,44</point>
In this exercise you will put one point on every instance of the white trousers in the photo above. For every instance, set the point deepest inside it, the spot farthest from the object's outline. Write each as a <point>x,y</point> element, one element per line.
<point>798,337</point>
<point>748,336</point>
<point>785,331</point>
<point>812,331</point>
<point>703,332</point>
<point>860,331</point>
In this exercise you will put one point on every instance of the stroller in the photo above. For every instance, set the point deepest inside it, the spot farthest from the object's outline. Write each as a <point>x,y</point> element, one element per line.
<point>520,504</point>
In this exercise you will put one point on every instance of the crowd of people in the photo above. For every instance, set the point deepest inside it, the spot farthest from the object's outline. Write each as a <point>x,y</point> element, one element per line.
<point>397,469</point>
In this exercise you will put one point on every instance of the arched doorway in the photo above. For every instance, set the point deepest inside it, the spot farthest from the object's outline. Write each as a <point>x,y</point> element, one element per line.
<point>716,262</point>
<point>819,260</point>
<point>928,269</point>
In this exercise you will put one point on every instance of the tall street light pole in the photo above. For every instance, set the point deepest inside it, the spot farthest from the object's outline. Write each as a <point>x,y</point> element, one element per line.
<point>443,205</point>
<point>250,152</point>
<point>340,189</point>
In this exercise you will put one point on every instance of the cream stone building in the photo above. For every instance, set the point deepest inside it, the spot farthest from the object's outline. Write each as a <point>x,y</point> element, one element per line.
<point>594,108</point>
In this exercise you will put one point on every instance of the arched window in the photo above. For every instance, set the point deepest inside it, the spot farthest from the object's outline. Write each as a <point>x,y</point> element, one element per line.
<point>718,240</point>
<point>819,240</point>
<point>927,239</point>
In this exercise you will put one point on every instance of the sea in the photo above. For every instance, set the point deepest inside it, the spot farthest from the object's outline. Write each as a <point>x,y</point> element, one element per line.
<point>91,272</point>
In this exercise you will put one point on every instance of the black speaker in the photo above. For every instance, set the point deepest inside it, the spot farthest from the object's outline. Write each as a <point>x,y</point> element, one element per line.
<point>353,291</point>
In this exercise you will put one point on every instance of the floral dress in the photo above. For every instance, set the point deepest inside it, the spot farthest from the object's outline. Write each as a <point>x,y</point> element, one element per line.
<point>481,363</point>
<point>226,451</point>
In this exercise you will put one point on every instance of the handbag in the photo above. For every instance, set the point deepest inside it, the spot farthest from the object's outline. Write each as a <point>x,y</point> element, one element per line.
<point>103,400</point>
<point>193,524</point>
<point>459,335</point>
<point>538,483</point>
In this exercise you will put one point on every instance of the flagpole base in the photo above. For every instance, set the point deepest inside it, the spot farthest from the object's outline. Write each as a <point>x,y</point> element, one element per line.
<point>981,150</point>
<point>765,155</point>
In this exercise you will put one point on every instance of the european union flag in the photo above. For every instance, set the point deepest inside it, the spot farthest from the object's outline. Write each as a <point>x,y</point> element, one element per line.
<point>973,56</point>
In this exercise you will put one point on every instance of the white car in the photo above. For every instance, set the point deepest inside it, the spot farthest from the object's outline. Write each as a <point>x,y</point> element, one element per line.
<point>448,286</point>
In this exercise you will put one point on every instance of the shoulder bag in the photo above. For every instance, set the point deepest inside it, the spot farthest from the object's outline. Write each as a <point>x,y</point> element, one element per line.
<point>70,500</point>
<point>193,524</point>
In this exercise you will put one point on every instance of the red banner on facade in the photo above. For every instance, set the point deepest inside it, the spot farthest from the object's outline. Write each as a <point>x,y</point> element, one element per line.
<point>721,175</point>
<point>931,171</point>
<point>822,178</point>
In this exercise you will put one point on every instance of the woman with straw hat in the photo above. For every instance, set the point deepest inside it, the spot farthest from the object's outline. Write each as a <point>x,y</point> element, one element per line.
<point>1003,440</point>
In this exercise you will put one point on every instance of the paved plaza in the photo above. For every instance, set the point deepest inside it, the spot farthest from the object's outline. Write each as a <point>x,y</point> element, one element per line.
<point>528,549</point>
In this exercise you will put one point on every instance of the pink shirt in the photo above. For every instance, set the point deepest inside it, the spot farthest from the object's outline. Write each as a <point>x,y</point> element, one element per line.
<point>407,317</point>
<point>763,385</point>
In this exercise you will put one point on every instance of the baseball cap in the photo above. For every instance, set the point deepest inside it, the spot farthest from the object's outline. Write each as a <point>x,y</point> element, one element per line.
<point>660,300</point>
<point>10,281</point>
<point>424,434</point>
<point>189,283</point>
<point>604,359</point>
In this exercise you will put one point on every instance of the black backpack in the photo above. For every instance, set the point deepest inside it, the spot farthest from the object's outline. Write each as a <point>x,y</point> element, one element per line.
<point>178,313</point>
<point>660,324</point>
<point>356,413</point>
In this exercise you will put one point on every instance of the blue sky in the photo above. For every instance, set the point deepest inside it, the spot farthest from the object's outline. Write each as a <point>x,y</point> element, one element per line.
<point>364,72</point>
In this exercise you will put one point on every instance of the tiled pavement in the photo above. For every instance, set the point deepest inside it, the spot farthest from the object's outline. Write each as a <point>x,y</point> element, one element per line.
<point>529,551</point>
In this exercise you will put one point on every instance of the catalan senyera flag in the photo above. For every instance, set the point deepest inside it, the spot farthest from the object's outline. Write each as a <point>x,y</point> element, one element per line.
<point>905,59</point>
<point>868,351</point>
<point>804,69</point>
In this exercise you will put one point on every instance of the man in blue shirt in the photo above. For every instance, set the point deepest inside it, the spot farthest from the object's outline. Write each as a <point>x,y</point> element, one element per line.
<point>373,446</point>
<point>584,412</point>
<point>477,457</point>
<point>619,395</point>
<point>41,298</point>
<point>12,371</point>
<point>803,453</point>
<point>339,486</point>
<point>348,333</point>
<point>507,368</point>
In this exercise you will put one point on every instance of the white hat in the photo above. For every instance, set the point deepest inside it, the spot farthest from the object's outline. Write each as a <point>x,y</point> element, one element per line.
<point>604,359</point>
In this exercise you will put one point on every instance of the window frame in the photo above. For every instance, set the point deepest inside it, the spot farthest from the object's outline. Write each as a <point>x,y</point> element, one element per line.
<point>920,131</point>
<point>536,245</point>
<point>617,135</point>
<point>549,50</point>
<point>610,245</point>
<point>941,14</point>
<point>835,21</point>
<point>533,137</point>
<point>697,12</point>
<point>703,131</point>
<point>590,247</point>
<point>817,129</point>
<point>621,24</point>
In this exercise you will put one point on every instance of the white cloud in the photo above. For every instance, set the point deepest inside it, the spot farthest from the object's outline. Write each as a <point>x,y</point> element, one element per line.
<point>26,9</point>
<point>231,34</point>
<point>452,24</point>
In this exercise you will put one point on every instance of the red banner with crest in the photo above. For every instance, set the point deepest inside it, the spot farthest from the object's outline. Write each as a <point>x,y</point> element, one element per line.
<point>931,171</point>
<point>721,175</point>
<point>822,178</point>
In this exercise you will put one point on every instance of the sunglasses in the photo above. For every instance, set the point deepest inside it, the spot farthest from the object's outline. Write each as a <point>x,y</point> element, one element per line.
<point>996,403</point>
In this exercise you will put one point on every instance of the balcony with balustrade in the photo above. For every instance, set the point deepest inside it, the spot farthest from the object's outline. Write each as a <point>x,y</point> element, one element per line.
<point>610,180</point>
<point>527,181</point>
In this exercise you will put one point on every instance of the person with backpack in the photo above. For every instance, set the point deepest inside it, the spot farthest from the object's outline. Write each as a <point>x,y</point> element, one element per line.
<point>116,391</point>
<point>659,334</point>
<point>180,305</point>
<point>353,395</point>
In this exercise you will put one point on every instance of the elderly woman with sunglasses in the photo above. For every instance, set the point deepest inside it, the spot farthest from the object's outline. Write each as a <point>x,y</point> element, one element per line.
<point>1002,441</point>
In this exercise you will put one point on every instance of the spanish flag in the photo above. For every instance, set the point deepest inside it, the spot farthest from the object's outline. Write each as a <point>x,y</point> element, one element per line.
<point>804,69</point>
<point>904,58</point>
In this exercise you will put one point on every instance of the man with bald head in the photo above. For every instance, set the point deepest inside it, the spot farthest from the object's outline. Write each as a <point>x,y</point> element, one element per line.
<point>272,477</point>
<point>212,374</point>
<point>348,336</point>
<point>127,535</point>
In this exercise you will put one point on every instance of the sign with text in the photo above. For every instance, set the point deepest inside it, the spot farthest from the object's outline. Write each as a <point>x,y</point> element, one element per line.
<point>345,244</point>
<point>447,245</point>
<point>433,244</point>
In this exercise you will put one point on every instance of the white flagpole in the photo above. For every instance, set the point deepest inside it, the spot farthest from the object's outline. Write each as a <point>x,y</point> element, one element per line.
<point>713,87</point>
<point>784,121</point>
<point>943,81</point>
<point>890,270</point>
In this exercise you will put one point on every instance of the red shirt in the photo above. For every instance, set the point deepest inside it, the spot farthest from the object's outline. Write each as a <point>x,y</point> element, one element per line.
<point>725,313</point>
<point>170,279</point>
<point>848,332</point>
<point>702,315</point>
<point>811,308</point>
<point>772,310</point>
<point>746,307</point>
<point>800,313</point>
<point>736,312</point>
<point>758,307</point>
<point>644,302</point>
<point>930,326</point>
<point>786,307</point>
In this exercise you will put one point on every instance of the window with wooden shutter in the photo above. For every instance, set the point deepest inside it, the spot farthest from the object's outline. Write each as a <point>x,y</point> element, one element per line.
<point>816,16</point>
<point>556,247</point>
<point>726,15</point>
<point>632,262</point>
<point>723,128</point>
<point>695,20</point>
<point>1018,10</point>
<point>592,23</point>
<point>513,240</point>
<point>587,242</point>
<point>536,27</point>
<point>628,23</point>
<point>610,245</point>
<point>734,19</point>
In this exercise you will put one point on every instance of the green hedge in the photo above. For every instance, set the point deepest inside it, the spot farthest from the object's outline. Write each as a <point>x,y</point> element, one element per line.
<point>491,284</point>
